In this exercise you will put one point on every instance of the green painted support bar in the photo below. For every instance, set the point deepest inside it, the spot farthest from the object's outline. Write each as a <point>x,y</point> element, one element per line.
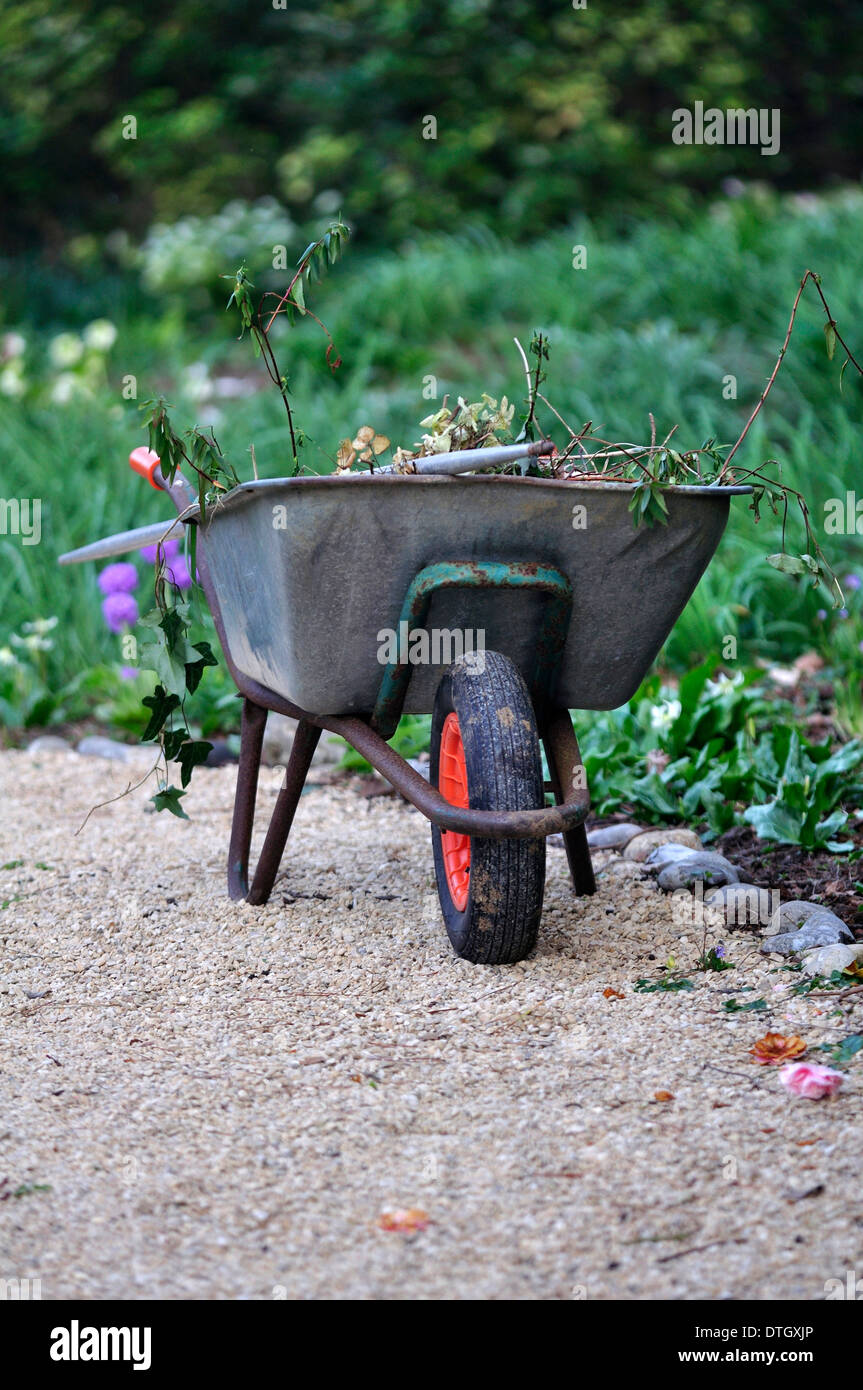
<point>479,574</point>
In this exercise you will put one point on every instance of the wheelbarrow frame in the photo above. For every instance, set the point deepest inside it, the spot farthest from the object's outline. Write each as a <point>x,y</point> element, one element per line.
<point>567,777</point>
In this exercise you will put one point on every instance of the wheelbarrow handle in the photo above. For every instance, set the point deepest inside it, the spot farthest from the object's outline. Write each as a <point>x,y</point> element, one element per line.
<point>123,542</point>
<point>146,462</point>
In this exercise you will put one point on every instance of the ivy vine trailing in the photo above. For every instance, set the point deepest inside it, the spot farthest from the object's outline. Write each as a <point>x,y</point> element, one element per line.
<point>654,467</point>
<point>178,662</point>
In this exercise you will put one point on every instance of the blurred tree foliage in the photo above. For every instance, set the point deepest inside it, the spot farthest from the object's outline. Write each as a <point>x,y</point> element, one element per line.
<point>543,110</point>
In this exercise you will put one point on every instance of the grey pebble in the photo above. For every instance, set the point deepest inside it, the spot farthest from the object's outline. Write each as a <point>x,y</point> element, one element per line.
<point>790,916</point>
<point>220,754</point>
<point>97,746</point>
<point>613,836</point>
<point>822,928</point>
<point>744,905</point>
<point>668,854</point>
<point>48,743</point>
<point>701,865</point>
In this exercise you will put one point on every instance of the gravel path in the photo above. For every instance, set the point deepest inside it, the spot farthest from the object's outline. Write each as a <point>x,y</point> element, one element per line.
<point>221,1101</point>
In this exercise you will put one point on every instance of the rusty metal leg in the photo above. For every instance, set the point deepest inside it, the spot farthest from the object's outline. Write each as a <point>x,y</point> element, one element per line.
<point>251,742</point>
<point>567,774</point>
<point>302,751</point>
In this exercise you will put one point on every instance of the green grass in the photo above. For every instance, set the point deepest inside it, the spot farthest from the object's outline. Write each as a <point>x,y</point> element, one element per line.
<point>655,323</point>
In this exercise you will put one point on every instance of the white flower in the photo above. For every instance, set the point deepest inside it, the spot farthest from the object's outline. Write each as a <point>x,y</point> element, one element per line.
<point>66,349</point>
<point>723,685</point>
<point>8,657</point>
<point>13,345</point>
<point>40,626</point>
<point>65,387</point>
<point>663,716</point>
<point>100,334</point>
<point>12,381</point>
<point>195,382</point>
<point>32,642</point>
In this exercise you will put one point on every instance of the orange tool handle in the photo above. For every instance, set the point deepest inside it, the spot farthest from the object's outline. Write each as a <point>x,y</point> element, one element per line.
<point>144,461</point>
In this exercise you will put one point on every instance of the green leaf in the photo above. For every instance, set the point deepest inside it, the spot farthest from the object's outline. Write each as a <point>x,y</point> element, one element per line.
<point>733,1006</point>
<point>170,669</point>
<point>195,669</point>
<point>846,757</point>
<point>168,799</point>
<point>651,792</point>
<point>664,986</point>
<point>172,742</point>
<point>774,822</point>
<point>191,755</point>
<point>830,335</point>
<point>788,564</point>
<point>847,1048</point>
<point>162,705</point>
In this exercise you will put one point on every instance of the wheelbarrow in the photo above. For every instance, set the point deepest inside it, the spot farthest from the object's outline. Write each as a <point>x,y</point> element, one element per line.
<point>496,604</point>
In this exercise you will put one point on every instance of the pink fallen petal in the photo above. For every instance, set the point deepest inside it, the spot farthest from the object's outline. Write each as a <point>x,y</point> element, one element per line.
<point>811,1081</point>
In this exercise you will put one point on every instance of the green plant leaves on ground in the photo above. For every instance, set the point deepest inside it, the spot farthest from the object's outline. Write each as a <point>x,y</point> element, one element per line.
<point>803,811</point>
<point>720,753</point>
<point>842,1052</point>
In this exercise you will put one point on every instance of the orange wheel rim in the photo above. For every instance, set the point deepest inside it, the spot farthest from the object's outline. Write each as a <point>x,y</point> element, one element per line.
<point>452,784</point>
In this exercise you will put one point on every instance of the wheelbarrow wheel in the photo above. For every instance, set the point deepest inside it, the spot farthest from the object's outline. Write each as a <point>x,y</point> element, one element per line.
<point>485,754</point>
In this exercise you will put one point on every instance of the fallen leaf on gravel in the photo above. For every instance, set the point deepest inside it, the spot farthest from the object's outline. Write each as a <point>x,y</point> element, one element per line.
<point>814,1191</point>
<point>612,993</point>
<point>775,1048</point>
<point>404,1219</point>
<point>662,1095</point>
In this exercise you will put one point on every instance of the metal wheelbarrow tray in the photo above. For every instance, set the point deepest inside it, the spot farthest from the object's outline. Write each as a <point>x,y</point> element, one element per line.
<point>309,571</point>
<point>306,576</point>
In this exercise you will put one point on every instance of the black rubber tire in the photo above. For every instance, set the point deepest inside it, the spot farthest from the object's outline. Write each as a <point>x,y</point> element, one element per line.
<point>500,920</point>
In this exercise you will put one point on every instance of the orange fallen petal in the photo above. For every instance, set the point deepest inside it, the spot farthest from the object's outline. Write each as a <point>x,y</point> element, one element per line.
<point>404,1219</point>
<point>775,1048</point>
<point>612,993</point>
<point>662,1095</point>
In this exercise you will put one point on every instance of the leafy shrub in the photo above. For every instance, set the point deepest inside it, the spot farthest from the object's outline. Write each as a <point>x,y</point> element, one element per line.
<point>191,253</point>
<point>718,753</point>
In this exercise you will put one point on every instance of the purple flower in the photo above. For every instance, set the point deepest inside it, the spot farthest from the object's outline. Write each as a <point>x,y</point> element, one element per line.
<point>852,581</point>
<point>128,673</point>
<point>719,951</point>
<point>169,547</point>
<point>177,573</point>
<point>821,614</point>
<point>120,610</point>
<point>843,613</point>
<point>118,579</point>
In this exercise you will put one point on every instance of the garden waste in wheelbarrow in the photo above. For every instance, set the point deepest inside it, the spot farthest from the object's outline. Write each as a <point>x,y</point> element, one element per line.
<point>321,588</point>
